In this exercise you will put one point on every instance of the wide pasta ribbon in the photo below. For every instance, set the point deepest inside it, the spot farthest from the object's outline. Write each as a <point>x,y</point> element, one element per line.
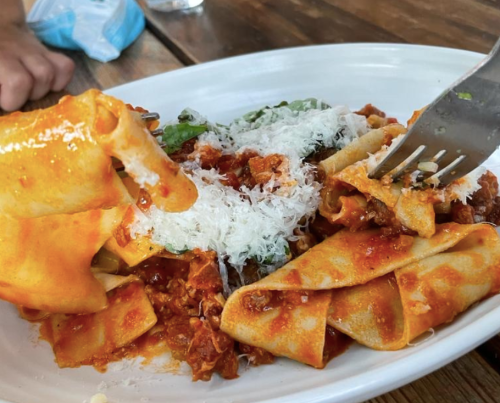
<point>58,160</point>
<point>343,261</point>
<point>61,199</point>
<point>390,311</point>
<point>45,261</point>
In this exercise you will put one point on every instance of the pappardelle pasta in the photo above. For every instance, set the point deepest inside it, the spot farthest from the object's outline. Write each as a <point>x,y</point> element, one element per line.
<point>264,237</point>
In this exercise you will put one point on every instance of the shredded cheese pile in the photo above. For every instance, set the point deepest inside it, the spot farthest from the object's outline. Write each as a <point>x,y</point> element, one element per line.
<point>254,223</point>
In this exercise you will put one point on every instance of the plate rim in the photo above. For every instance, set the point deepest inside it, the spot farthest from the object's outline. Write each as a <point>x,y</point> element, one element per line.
<point>296,49</point>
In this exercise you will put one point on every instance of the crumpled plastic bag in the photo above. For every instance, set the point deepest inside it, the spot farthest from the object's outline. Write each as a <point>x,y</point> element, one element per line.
<point>101,28</point>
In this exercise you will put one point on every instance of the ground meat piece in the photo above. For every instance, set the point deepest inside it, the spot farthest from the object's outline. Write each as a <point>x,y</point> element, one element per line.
<point>291,299</point>
<point>212,309</point>
<point>250,273</point>
<point>257,300</point>
<point>375,117</point>
<point>322,154</point>
<point>322,228</point>
<point>144,200</point>
<point>206,155</point>
<point>265,300</point>
<point>204,273</point>
<point>231,180</point>
<point>383,217</point>
<point>255,355</point>
<point>483,199</point>
<point>122,232</point>
<point>207,347</point>
<point>182,155</point>
<point>483,205</point>
<point>179,336</point>
<point>305,241</point>
<point>462,213</point>
<point>368,110</point>
<point>379,213</point>
<point>227,365</point>
<point>494,215</point>
<point>274,166</point>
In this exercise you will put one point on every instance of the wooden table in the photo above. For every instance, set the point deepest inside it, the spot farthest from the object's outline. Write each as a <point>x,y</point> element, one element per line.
<point>225,28</point>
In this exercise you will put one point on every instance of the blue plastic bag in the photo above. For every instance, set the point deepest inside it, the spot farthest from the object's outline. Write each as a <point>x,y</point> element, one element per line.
<point>101,28</point>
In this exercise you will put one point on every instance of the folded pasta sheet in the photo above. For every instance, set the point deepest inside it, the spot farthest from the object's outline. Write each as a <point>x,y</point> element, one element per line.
<point>61,199</point>
<point>45,262</point>
<point>390,311</point>
<point>86,339</point>
<point>58,160</point>
<point>361,148</point>
<point>286,313</point>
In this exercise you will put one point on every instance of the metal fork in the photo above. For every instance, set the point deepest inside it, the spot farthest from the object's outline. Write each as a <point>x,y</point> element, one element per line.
<point>150,116</point>
<point>458,131</point>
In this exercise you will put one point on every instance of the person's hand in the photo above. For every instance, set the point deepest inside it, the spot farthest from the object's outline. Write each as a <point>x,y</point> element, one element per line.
<point>28,70</point>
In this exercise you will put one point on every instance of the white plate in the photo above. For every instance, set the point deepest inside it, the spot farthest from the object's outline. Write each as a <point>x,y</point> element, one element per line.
<point>396,78</point>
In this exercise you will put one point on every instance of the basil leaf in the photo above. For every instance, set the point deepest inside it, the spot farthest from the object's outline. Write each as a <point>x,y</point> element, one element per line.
<point>189,115</point>
<point>301,105</point>
<point>171,249</point>
<point>271,259</point>
<point>307,104</point>
<point>176,135</point>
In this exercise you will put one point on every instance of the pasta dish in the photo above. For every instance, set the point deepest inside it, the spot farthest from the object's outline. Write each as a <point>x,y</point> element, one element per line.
<point>219,243</point>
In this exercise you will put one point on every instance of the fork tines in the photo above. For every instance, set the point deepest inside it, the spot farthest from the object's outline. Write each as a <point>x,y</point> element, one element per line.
<point>412,164</point>
<point>149,117</point>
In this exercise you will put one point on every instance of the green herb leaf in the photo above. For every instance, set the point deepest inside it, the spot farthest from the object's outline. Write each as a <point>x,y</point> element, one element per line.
<point>176,135</point>
<point>307,104</point>
<point>271,259</point>
<point>465,95</point>
<point>171,249</point>
<point>188,115</point>
<point>301,105</point>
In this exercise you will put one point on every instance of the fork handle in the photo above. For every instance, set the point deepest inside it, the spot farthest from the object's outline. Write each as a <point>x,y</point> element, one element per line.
<point>489,68</point>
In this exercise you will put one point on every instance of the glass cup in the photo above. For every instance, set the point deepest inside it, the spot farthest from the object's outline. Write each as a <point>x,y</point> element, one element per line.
<point>171,5</point>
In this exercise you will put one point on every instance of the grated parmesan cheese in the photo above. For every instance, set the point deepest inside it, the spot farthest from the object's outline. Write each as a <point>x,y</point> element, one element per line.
<point>300,131</point>
<point>253,223</point>
<point>463,188</point>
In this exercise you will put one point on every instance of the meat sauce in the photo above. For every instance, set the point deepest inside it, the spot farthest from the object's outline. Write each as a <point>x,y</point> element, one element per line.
<point>235,168</point>
<point>483,206</point>
<point>386,219</point>
<point>187,298</point>
<point>375,117</point>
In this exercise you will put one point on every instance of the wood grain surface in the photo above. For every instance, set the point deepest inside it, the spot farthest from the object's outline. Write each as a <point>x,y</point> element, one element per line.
<point>145,57</point>
<point>223,28</point>
<point>467,380</point>
<point>232,27</point>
